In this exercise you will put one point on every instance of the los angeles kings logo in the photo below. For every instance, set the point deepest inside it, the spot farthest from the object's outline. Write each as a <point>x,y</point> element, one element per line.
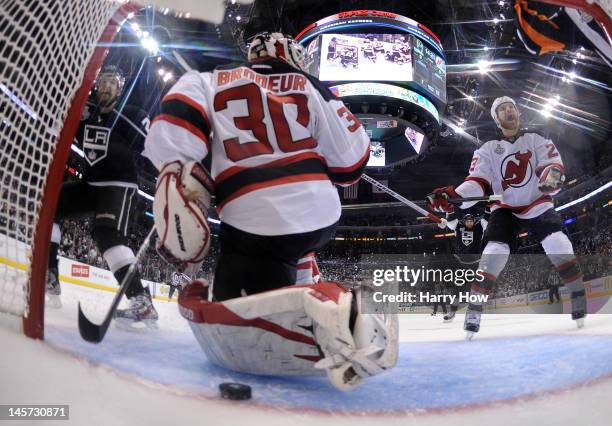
<point>516,170</point>
<point>95,143</point>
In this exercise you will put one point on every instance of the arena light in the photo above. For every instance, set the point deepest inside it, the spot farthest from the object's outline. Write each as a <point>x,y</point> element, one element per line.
<point>586,197</point>
<point>150,44</point>
<point>13,97</point>
<point>145,195</point>
<point>484,66</point>
<point>77,150</point>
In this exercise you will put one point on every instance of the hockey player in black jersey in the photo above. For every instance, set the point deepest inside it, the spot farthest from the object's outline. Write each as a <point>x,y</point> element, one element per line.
<point>110,140</point>
<point>468,246</point>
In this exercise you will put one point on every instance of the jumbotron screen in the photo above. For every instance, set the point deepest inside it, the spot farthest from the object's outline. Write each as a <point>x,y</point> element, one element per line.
<point>377,155</point>
<point>359,57</point>
<point>398,58</point>
<point>429,70</point>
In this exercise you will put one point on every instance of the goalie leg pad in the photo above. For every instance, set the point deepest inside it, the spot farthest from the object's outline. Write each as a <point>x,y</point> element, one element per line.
<point>370,348</point>
<point>283,332</point>
<point>180,210</point>
<point>267,333</point>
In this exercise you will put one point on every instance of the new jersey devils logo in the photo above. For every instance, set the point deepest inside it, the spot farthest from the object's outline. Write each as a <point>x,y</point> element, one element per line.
<point>516,170</point>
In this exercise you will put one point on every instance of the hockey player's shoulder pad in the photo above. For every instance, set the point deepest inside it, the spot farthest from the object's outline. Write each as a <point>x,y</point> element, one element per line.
<point>180,210</point>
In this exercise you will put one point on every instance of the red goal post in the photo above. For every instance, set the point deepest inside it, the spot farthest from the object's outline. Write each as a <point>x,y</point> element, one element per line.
<point>48,62</point>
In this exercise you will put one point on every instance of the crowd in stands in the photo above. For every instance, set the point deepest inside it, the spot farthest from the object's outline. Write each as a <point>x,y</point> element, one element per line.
<point>590,229</point>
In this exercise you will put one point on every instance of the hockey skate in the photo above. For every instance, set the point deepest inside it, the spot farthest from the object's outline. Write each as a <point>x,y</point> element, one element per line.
<point>450,316</point>
<point>579,307</point>
<point>139,315</point>
<point>53,289</point>
<point>472,323</point>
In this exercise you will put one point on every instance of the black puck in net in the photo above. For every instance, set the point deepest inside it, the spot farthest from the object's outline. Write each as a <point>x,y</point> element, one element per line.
<point>235,391</point>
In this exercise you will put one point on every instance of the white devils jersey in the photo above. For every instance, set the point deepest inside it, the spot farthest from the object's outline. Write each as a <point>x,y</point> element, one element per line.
<point>511,169</point>
<point>279,141</point>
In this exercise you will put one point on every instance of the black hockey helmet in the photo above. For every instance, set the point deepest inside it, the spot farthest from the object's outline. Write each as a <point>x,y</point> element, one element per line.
<point>112,71</point>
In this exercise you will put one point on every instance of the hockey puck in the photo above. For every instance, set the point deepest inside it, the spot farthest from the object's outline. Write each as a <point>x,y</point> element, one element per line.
<point>235,391</point>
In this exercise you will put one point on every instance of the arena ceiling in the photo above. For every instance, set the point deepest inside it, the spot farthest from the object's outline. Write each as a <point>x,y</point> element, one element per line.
<point>470,31</point>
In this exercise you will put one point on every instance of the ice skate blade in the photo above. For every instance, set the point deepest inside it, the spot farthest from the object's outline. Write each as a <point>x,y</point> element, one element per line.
<point>54,301</point>
<point>145,326</point>
<point>580,322</point>
<point>446,320</point>
<point>469,335</point>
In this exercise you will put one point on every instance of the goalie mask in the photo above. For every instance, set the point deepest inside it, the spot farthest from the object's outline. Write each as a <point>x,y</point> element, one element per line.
<point>277,45</point>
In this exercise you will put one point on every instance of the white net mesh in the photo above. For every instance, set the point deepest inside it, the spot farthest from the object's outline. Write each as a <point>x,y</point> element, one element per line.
<point>45,46</point>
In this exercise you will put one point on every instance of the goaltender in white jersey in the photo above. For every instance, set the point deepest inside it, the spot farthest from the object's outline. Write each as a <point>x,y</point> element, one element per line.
<point>279,144</point>
<point>279,141</point>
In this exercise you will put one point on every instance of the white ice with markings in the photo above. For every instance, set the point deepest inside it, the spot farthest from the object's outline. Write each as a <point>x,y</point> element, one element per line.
<point>521,369</point>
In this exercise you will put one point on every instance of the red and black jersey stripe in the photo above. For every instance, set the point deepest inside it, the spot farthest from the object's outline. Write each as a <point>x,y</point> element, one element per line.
<point>350,174</point>
<point>238,181</point>
<point>183,111</point>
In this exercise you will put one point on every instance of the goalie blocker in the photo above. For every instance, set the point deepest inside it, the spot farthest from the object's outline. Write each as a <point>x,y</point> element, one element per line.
<point>296,330</point>
<point>180,208</point>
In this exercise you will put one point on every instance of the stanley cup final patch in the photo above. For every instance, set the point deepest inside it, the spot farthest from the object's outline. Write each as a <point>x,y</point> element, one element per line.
<point>95,143</point>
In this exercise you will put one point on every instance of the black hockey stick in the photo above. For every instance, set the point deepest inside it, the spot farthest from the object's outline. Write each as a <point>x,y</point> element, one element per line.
<point>470,199</point>
<point>405,201</point>
<point>94,333</point>
<point>419,202</point>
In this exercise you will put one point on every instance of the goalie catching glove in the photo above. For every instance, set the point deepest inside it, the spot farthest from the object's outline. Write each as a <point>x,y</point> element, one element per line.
<point>180,210</point>
<point>551,179</point>
<point>437,201</point>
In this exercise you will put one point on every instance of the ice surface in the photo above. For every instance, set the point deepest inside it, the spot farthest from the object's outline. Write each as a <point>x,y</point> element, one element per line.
<point>527,369</point>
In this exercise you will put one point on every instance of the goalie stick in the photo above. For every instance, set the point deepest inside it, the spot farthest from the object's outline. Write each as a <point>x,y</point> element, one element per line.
<point>94,333</point>
<point>398,197</point>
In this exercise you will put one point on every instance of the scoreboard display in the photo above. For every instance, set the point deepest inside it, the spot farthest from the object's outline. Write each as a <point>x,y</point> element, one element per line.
<point>398,58</point>
<point>389,70</point>
<point>358,57</point>
<point>429,70</point>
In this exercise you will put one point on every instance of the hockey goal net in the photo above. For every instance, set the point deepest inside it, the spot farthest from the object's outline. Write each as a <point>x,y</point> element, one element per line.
<point>48,60</point>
